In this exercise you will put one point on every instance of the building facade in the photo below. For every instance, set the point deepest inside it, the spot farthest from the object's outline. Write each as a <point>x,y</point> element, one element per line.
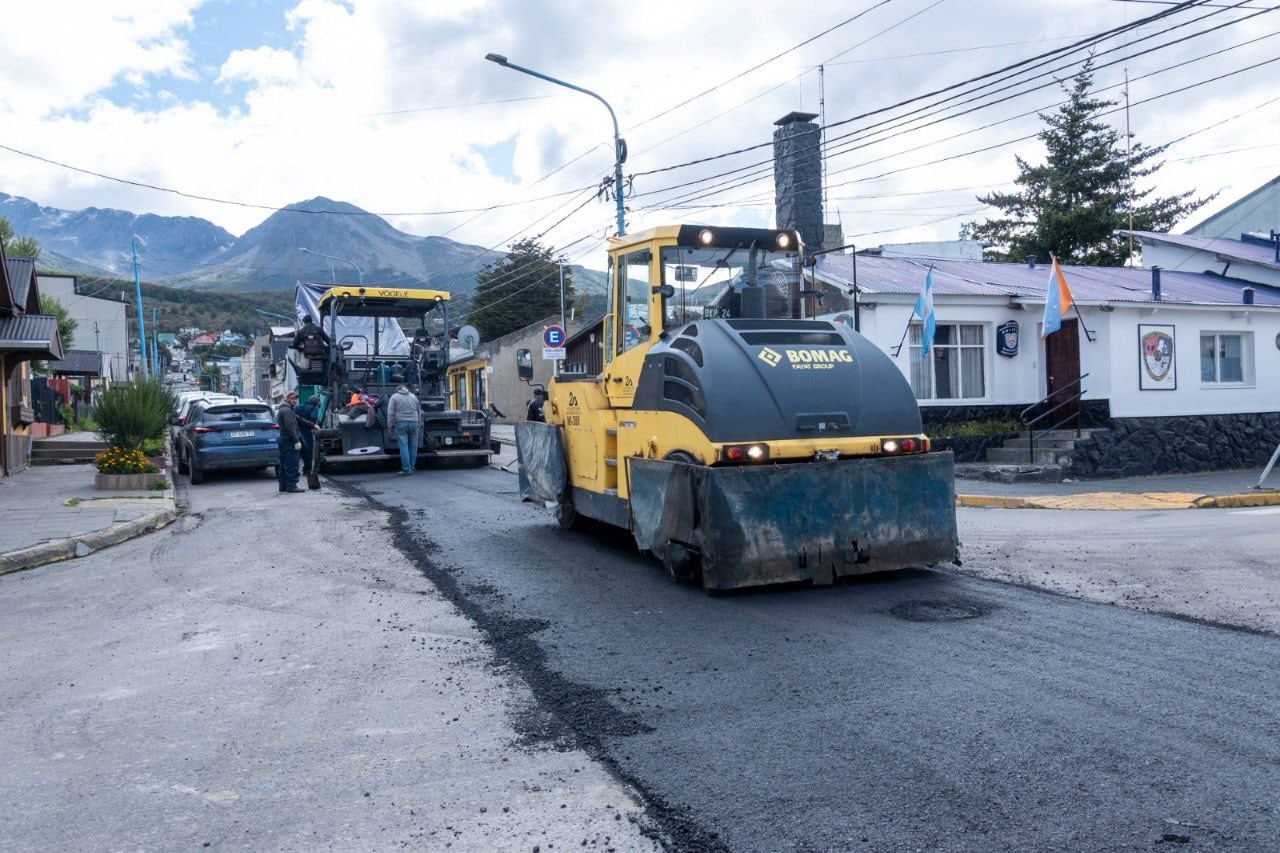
<point>1182,367</point>
<point>102,325</point>
<point>26,335</point>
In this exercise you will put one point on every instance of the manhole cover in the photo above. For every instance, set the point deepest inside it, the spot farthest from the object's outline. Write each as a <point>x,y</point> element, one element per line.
<point>937,611</point>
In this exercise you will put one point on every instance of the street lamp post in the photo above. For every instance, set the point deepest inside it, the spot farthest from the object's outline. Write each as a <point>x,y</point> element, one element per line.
<point>619,144</point>
<point>359,271</point>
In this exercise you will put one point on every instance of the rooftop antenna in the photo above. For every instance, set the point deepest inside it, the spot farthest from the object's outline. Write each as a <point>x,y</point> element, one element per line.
<point>822,142</point>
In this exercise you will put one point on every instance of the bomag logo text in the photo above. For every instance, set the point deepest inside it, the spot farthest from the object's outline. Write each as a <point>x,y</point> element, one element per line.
<point>818,359</point>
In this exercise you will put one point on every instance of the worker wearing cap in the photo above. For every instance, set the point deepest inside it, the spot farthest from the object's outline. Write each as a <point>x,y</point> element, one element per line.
<point>289,443</point>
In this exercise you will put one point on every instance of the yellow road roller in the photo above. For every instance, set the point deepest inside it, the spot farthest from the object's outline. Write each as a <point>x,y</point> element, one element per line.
<point>737,440</point>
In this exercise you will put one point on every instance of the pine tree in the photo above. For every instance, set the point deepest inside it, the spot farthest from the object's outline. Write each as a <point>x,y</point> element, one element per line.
<point>1072,205</point>
<point>522,288</point>
<point>15,246</point>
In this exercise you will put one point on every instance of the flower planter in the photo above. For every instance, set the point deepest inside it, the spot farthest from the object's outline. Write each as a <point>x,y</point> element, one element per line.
<point>161,461</point>
<point>125,482</point>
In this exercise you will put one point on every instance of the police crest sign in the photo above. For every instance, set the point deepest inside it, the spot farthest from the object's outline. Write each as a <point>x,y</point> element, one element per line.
<point>1007,339</point>
<point>1157,364</point>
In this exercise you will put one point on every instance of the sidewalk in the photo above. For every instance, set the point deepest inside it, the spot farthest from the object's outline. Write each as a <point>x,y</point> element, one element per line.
<point>54,513</point>
<point>1206,490</point>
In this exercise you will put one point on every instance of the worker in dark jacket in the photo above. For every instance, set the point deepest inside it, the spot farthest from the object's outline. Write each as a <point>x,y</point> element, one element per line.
<point>313,343</point>
<point>308,415</point>
<point>310,339</point>
<point>289,443</point>
<point>534,410</point>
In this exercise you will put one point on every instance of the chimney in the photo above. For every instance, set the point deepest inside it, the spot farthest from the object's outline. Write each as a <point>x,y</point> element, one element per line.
<point>1031,262</point>
<point>797,177</point>
<point>1155,283</point>
<point>1247,295</point>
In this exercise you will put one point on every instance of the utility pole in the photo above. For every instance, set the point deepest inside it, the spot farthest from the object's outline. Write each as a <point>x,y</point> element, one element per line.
<point>137,291</point>
<point>155,344</point>
<point>562,322</point>
<point>1128,166</point>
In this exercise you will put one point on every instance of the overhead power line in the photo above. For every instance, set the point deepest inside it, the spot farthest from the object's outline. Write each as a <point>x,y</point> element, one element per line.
<point>758,170</point>
<point>314,211</point>
<point>1074,47</point>
<point>760,65</point>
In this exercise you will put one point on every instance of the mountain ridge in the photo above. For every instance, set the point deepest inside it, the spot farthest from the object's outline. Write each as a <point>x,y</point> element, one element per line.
<point>192,253</point>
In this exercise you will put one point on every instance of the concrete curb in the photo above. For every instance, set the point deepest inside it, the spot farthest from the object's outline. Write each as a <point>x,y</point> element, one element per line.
<point>1122,501</point>
<point>83,546</point>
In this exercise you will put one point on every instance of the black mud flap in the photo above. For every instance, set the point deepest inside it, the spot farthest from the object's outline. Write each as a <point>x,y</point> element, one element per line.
<point>812,521</point>
<point>544,476</point>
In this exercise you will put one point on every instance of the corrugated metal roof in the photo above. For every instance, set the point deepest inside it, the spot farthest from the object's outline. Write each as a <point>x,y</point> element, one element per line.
<point>6,291</point>
<point>22,274</point>
<point>1088,284</point>
<point>32,334</point>
<point>79,362</point>
<point>1236,250</point>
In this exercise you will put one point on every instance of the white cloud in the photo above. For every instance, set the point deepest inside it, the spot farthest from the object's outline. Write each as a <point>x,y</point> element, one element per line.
<point>307,125</point>
<point>57,55</point>
<point>262,66</point>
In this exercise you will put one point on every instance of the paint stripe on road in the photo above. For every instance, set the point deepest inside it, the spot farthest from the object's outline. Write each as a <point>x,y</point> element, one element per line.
<point>1269,510</point>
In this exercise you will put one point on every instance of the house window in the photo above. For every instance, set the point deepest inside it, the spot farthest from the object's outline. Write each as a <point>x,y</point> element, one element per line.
<point>956,366</point>
<point>1225,357</point>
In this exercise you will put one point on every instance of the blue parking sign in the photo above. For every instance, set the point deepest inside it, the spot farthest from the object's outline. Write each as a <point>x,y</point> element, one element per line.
<point>554,336</point>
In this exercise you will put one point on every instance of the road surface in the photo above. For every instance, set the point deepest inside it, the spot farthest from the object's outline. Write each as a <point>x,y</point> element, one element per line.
<point>927,710</point>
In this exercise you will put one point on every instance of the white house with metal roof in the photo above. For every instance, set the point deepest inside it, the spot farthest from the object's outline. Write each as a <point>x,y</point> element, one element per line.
<point>1257,212</point>
<point>1254,257</point>
<point>1171,347</point>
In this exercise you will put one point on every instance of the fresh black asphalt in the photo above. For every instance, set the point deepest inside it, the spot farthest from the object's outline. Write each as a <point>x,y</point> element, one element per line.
<point>924,710</point>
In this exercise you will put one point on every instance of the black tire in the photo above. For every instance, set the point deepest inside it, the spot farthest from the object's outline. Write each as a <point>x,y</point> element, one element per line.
<point>681,456</point>
<point>197,473</point>
<point>682,563</point>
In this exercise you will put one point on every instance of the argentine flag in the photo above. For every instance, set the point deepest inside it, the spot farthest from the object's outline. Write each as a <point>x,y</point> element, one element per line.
<point>924,310</point>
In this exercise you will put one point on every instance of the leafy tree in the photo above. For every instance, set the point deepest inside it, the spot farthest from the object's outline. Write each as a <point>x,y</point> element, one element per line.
<point>1072,204</point>
<point>522,288</point>
<point>15,246</point>
<point>66,323</point>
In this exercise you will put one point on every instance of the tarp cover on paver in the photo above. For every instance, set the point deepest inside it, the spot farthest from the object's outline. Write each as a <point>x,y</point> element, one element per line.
<point>391,339</point>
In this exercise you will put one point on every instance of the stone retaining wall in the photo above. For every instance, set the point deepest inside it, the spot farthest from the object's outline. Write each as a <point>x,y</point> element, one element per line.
<point>1136,447</point>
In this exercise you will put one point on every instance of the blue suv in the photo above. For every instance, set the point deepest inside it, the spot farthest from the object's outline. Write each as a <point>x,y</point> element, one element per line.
<point>222,436</point>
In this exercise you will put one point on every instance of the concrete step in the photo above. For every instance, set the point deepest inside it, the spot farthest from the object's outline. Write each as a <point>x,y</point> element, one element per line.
<point>60,444</point>
<point>55,451</point>
<point>1062,434</point>
<point>48,452</point>
<point>1009,473</point>
<point>1014,456</point>
<point>1041,442</point>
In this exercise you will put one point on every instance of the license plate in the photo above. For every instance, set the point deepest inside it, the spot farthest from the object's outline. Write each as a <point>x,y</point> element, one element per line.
<point>246,433</point>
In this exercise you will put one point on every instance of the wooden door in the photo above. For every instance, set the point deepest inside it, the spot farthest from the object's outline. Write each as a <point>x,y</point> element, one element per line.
<point>1062,365</point>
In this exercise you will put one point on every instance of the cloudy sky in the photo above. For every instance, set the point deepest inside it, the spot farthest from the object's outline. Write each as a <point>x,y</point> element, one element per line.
<point>389,105</point>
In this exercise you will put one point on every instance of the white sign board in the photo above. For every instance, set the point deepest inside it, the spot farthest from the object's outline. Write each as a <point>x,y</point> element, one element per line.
<point>552,353</point>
